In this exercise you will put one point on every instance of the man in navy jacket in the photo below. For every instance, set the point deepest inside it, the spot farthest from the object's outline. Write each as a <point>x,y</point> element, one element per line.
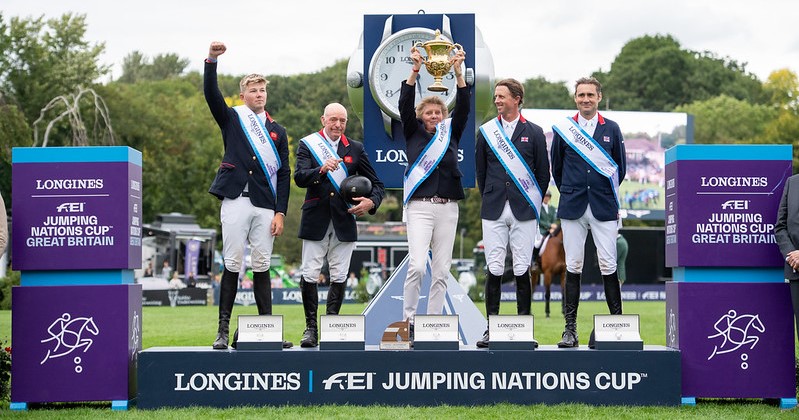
<point>508,218</point>
<point>327,227</point>
<point>253,184</point>
<point>587,174</point>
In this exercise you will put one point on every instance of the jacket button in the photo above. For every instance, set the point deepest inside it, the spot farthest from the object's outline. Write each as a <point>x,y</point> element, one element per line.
<point>507,184</point>
<point>332,194</point>
<point>254,158</point>
<point>589,187</point>
<point>250,172</point>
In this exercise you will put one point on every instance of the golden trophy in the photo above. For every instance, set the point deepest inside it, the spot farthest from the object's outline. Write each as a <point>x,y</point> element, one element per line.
<point>437,63</point>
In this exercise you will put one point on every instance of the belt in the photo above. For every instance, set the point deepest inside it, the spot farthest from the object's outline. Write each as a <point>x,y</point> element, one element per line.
<point>245,193</point>
<point>435,199</point>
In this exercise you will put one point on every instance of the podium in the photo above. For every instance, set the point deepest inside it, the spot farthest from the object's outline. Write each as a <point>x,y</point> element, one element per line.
<point>728,309</point>
<point>76,317</point>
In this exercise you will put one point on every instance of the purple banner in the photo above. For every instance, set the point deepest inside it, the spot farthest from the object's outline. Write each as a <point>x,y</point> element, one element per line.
<point>721,213</point>
<point>191,257</point>
<point>735,339</point>
<point>75,343</point>
<point>76,215</point>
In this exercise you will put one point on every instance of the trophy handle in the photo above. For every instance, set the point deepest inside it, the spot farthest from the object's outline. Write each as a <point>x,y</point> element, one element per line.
<point>456,47</point>
<point>418,44</point>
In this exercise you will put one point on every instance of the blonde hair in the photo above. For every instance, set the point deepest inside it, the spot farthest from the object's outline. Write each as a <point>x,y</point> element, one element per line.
<point>250,79</point>
<point>431,100</point>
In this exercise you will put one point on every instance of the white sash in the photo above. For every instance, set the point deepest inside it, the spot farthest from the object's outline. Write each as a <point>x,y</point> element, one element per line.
<point>590,150</point>
<point>261,143</point>
<point>514,165</point>
<point>322,150</point>
<point>427,160</point>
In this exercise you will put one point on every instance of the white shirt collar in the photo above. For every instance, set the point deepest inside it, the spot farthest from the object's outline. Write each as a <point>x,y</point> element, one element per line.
<point>333,143</point>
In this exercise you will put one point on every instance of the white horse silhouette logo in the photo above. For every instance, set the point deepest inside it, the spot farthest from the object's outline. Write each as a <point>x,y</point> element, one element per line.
<point>734,329</point>
<point>67,333</point>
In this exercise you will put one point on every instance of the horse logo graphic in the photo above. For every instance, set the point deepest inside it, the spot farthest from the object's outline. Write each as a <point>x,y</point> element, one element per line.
<point>135,336</point>
<point>672,328</point>
<point>69,334</point>
<point>736,331</point>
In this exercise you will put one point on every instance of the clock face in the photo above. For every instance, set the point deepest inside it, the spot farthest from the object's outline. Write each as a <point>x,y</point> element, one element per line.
<point>391,64</point>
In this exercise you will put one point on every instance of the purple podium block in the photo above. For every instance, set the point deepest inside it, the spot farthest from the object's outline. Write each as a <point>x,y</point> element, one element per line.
<point>76,208</point>
<point>75,343</point>
<point>721,204</point>
<point>735,340</point>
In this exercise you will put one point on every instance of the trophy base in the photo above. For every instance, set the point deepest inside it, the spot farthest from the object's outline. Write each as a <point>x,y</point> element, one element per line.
<point>395,345</point>
<point>437,87</point>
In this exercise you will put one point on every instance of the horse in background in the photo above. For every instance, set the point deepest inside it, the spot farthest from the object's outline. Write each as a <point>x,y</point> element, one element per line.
<point>552,263</point>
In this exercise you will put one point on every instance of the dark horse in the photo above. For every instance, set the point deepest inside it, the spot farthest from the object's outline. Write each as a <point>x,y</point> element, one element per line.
<point>552,262</point>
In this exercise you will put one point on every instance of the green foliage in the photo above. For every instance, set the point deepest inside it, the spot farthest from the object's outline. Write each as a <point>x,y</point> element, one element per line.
<point>137,67</point>
<point>712,120</point>
<point>14,132</point>
<point>653,73</point>
<point>42,59</point>
<point>11,279</point>
<point>541,93</point>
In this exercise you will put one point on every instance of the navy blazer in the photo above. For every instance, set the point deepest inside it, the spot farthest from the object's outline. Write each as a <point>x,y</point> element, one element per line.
<point>239,165</point>
<point>496,186</point>
<point>786,230</point>
<point>322,202</point>
<point>445,179</point>
<point>579,184</point>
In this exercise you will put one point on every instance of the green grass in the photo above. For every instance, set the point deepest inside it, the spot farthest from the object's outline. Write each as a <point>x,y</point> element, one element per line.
<point>196,326</point>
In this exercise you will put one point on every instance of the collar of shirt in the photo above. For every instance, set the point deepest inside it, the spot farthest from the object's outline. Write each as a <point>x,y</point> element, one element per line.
<point>509,126</point>
<point>262,117</point>
<point>588,125</point>
<point>333,143</point>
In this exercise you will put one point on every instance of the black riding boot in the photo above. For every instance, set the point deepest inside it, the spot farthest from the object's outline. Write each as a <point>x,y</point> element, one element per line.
<point>335,296</point>
<point>612,297</point>
<point>571,298</point>
<point>613,293</point>
<point>524,294</point>
<point>227,295</point>
<point>262,288</point>
<point>493,295</point>
<point>310,303</point>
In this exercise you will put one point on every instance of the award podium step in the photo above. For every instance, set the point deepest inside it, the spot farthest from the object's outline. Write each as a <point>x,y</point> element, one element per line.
<point>200,376</point>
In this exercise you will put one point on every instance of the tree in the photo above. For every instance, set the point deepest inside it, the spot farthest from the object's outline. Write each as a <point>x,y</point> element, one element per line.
<point>44,59</point>
<point>541,93</point>
<point>712,120</point>
<point>653,73</point>
<point>137,67</point>
<point>14,131</point>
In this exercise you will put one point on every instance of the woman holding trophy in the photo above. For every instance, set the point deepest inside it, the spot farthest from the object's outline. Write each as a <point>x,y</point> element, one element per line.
<point>432,182</point>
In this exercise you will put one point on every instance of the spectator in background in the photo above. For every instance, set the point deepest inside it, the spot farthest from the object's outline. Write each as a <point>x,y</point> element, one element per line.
<point>166,270</point>
<point>352,280</point>
<point>3,226</point>
<point>148,271</point>
<point>176,282</point>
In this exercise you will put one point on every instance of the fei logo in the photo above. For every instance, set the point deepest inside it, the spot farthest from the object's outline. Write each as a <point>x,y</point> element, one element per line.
<point>70,207</point>
<point>735,205</point>
<point>67,334</point>
<point>734,332</point>
<point>350,381</point>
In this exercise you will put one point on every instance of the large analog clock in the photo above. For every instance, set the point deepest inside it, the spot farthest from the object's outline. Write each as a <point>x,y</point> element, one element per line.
<point>391,64</point>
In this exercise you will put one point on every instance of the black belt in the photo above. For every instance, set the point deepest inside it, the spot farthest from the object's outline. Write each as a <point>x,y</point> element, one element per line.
<point>245,193</point>
<point>435,199</point>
